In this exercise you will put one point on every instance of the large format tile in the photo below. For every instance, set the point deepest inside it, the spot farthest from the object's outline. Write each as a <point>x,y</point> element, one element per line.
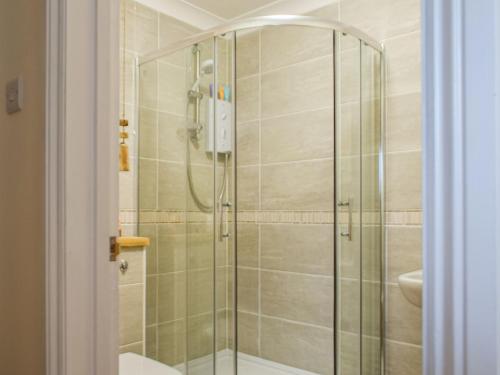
<point>248,244</point>
<point>171,247</point>
<point>248,333</point>
<point>287,45</point>
<point>172,89</point>
<point>131,313</point>
<point>171,137</point>
<point>171,186</point>
<point>403,320</point>
<point>135,272</point>
<point>298,186</point>
<point>297,248</point>
<point>248,188</point>
<point>303,136</point>
<point>302,346</point>
<point>148,181</point>
<point>145,29</point>
<point>171,296</point>
<point>403,359</point>
<point>247,52</point>
<point>297,297</point>
<point>300,87</point>
<point>248,143</point>
<point>403,64</point>
<point>403,181</point>
<point>151,299</point>
<point>247,105</point>
<point>248,290</point>
<point>148,133</point>
<point>404,250</point>
<point>148,85</point>
<point>172,342</point>
<point>403,130</point>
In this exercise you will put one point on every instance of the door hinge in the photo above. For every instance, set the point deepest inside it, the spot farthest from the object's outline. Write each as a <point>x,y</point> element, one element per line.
<point>114,249</point>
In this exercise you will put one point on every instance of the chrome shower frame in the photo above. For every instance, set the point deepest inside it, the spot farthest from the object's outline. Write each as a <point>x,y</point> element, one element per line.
<point>284,20</point>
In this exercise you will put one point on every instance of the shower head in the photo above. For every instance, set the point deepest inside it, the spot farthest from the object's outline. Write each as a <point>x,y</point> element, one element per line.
<point>207,66</point>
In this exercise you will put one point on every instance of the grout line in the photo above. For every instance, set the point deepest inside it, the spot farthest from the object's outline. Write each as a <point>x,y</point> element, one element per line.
<point>260,269</point>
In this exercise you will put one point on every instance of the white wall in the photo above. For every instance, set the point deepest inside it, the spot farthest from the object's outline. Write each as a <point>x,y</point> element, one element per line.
<point>22,44</point>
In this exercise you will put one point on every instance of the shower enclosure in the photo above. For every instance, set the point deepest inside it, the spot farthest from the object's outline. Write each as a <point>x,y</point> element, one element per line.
<point>260,185</point>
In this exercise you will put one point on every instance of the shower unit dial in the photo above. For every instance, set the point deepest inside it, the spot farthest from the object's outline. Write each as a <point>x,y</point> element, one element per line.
<point>223,118</point>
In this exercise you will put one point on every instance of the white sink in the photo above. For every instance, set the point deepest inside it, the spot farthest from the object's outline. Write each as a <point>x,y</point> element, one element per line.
<point>411,285</point>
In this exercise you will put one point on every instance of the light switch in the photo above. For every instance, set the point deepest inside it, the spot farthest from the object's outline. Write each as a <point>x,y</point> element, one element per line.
<point>14,95</point>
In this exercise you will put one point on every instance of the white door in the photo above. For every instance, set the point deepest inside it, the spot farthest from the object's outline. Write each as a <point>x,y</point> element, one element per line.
<point>82,186</point>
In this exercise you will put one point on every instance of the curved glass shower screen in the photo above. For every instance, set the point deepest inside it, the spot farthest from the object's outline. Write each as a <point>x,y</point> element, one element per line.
<point>260,182</point>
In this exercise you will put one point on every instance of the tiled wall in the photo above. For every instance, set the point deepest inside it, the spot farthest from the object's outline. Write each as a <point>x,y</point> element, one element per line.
<point>285,196</point>
<point>396,23</point>
<point>132,301</point>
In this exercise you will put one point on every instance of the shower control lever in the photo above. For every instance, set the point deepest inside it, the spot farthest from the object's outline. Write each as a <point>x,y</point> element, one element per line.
<point>347,204</point>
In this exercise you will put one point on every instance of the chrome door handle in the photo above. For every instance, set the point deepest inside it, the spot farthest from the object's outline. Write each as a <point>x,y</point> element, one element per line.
<point>348,204</point>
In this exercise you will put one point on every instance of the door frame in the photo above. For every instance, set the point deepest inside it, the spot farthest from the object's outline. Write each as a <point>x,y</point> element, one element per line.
<point>461,137</point>
<point>82,80</point>
<point>82,102</point>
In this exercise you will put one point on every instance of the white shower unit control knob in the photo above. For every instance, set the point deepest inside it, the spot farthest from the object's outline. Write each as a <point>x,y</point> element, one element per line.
<point>224,129</point>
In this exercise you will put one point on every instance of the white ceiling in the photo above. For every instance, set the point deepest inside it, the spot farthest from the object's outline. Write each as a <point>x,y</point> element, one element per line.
<point>229,9</point>
<point>205,14</point>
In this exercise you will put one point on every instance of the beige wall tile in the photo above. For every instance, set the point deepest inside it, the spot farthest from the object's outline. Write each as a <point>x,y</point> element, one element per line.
<point>172,89</point>
<point>148,85</point>
<point>200,336</point>
<point>172,342</point>
<point>371,356</point>
<point>148,133</point>
<point>303,136</point>
<point>149,230</point>
<point>372,253</point>
<point>350,353</point>
<point>248,244</point>
<point>247,105</point>
<point>382,19</point>
<point>371,296</point>
<point>148,177</point>
<point>302,346</point>
<point>171,296</point>
<point>297,248</point>
<point>403,181</point>
<point>202,178</point>
<point>403,129</point>
<point>137,348</point>
<point>171,137</point>
<point>248,335</point>
<point>287,45</point>
<point>298,297</point>
<point>171,186</point>
<point>248,284</point>
<point>248,143</point>
<point>404,250</point>
<point>298,186</point>
<point>348,141</point>
<point>146,29</point>
<point>131,313</point>
<point>349,71</point>
<point>201,290</point>
<point>301,87</point>
<point>127,74</point>
<point>135,273</point>
<point>350,296</point>
<point>403,359</point>
<point>128,182</point>
<point>248,188</point>
<point>403,320</point>
<point>171,247</point>
<point>247,52</point>
<point>403,64</point>
<point>151,299</point>
<point>151,347</point>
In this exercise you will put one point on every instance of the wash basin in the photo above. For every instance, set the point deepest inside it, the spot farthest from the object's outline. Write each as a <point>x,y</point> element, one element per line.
<point>411,285</point>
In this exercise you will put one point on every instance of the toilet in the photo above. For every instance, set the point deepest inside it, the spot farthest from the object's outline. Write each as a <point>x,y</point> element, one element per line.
<point>135,364</point>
